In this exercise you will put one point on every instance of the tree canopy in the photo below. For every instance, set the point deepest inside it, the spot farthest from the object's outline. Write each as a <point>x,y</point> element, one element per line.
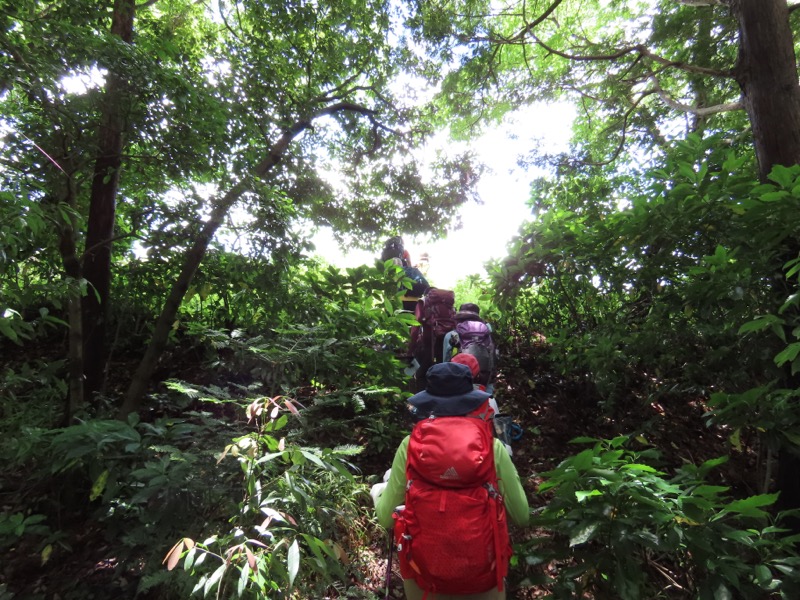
<point>177,372</point>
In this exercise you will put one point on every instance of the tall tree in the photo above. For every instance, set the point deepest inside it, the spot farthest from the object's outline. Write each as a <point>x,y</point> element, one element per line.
<point>195,109</point>
<point>102,206</point>
<point>66,103</point>
<point>766,72</point>
<point>318,89</point>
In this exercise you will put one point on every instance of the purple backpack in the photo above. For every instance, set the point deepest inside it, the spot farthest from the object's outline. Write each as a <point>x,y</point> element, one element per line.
<point>474,332</point>
<point>475,338</point>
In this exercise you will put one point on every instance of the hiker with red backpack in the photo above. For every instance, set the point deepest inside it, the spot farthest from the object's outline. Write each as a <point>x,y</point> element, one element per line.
<point>449,493</point>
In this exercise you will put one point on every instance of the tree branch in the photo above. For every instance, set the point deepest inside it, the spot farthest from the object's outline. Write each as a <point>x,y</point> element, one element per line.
<point>586,57</point>
<point>529,26</point>
<point>356,108</point>
<point>685,66</point>
<point>107,241</point>
<point>698,111</point>
<point>642,51</point>
<point>623,138</point>
<point>793,7</point>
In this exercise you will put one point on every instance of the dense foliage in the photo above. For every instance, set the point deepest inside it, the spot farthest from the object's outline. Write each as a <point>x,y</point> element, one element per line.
<point>291,393</point>
<point>191,405</point>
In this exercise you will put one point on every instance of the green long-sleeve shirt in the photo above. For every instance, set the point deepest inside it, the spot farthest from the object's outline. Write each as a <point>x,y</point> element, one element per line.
<point>507,479</point>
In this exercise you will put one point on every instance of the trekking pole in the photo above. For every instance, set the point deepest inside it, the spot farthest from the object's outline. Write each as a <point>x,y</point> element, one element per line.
<point>389,563</point>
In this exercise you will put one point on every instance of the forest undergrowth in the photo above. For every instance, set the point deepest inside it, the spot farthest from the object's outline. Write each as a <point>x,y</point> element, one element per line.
<point>552,411</point>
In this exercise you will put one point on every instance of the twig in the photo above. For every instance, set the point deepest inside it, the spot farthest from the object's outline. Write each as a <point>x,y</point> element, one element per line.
<point>667,575</point>
<point>39,148</point>
<point>767,470</point>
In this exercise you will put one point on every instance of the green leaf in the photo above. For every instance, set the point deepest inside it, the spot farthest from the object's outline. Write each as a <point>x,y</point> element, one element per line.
<point>584,440</point>
<point>243,579</point>
<point>736,439</point>
<point>582,496</point>
<point>760,324</point>
<point>788,354</point>
<point>712,491</point>
<point>314,458</point>
<point>583,461</point>
<point>687,171</point>
<point>750,507</point>
<point>200,583</point>
<point>783,176</point>
<point>774,196</point>
<point>763,575</point>
<point>7,330</point>
<point>712,463</point>
<point>98,486</point>
<point>582,534</point>
<point>213,579</point>
<point>188,561</point>
<point>293,561</point>
<point>643,468</point>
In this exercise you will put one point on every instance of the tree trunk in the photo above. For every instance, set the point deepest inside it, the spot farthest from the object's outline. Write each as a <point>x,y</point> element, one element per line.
<point>102,210</point>
<point>767,75</point>
<point>72,269</point>
<point>194,256</point>
<point>75,345</point>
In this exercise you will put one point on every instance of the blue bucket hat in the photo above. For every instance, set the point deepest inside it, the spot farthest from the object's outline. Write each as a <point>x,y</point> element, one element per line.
<point>449,393</point>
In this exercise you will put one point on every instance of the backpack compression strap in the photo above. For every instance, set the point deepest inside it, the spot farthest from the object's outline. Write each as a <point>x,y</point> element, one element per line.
<point>498,545</point>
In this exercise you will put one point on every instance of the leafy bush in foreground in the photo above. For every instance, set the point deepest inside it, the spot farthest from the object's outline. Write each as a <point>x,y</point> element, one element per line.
<point>626,530</point>
<point>299,506</point>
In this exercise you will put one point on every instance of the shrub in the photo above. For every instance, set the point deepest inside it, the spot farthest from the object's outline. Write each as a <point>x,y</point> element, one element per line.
<point>621,528</point>
<point>298,504</point>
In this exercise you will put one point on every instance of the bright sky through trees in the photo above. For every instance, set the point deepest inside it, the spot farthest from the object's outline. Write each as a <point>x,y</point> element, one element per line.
<point>504,190</point>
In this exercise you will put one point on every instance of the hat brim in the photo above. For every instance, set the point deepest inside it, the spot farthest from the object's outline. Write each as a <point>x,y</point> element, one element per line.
<point>427,404</point>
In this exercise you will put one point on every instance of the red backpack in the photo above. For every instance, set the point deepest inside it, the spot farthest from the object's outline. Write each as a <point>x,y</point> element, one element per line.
<point>452,535</point>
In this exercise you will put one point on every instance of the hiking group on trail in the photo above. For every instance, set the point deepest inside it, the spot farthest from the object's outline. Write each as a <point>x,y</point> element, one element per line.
<point>442,331</point>
<point>452,485</point>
